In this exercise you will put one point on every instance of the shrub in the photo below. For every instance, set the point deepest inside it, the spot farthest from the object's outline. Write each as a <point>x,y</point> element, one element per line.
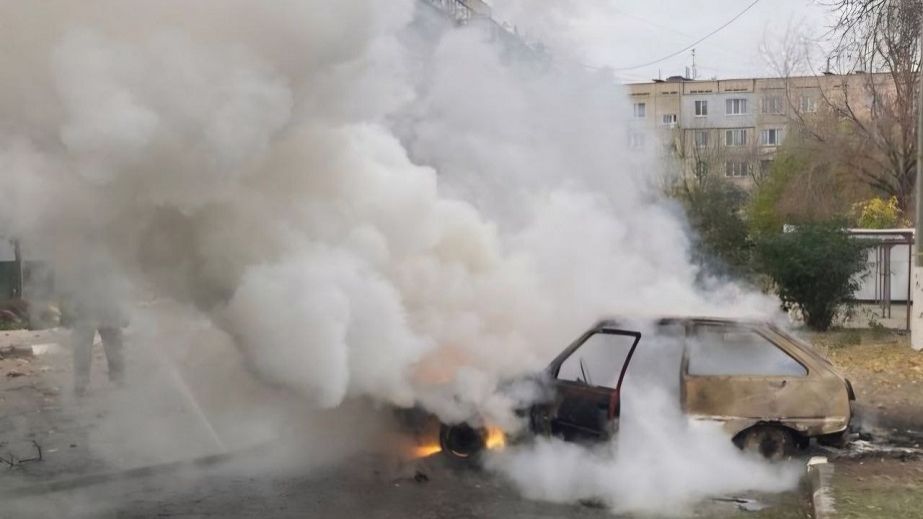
<point>815,268</point>
<point>715,211</point>
<point>877,213</point>
<point>763,212</point>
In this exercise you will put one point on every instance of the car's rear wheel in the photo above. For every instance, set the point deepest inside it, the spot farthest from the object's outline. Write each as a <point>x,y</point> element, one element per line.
<point>772,442</point>
<point>462,442</point>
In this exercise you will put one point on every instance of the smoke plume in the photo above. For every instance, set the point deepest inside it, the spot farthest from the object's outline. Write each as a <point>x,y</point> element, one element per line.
<point>346,199</point>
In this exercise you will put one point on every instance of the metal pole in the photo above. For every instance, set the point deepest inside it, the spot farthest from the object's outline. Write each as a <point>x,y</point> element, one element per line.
<point>919,180</point>
<point>907,298</point>
<point>17,282</point>
<point>886,281</point>
<point>916,330</point>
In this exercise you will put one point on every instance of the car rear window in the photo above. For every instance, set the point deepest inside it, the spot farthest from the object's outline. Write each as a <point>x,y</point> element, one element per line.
<point>718,350</point>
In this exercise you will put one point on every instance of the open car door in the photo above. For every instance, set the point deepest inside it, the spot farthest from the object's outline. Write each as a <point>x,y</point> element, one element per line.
<point>588,378</point>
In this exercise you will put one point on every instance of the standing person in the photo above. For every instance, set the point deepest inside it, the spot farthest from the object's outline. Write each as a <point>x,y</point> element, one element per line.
<point>86,324</point>
<point>90,299</point>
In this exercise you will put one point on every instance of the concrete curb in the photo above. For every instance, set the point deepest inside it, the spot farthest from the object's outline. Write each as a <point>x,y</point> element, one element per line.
<point>820,479</point>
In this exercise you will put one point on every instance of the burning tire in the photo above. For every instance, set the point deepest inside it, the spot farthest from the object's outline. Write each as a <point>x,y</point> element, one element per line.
<point>770,441</point>
<point>462,442</point>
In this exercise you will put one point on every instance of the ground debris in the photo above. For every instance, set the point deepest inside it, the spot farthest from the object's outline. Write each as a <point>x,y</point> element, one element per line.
<point>744,504</point>
<point>593,502</point>
<point>861,449</point>
<point>13,461</point>
<point>15,351</point>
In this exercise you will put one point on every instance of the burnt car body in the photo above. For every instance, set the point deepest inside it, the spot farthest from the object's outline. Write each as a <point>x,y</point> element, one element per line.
<point>771,391</point>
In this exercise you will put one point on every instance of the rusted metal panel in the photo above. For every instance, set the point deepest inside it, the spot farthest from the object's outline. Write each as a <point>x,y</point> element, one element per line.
<point>813,404</point>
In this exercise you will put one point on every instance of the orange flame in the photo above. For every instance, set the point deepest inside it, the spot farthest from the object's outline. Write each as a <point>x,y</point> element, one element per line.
<point>496,439</point>
<point>423,451</point>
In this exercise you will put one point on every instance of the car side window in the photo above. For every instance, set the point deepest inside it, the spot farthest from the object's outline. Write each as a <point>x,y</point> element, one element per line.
<point>722,350</point>
<point>598,361</point>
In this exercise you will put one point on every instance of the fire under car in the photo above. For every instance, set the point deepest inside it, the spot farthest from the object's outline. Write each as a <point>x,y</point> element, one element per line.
<point>771,391</point>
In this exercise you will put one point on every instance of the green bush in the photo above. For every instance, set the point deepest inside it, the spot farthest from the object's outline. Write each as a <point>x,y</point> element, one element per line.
<point>814,268</point>
<point>721,241</point>
<point>763,212</point>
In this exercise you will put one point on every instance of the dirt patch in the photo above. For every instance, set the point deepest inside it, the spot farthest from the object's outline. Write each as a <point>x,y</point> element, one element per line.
<point>887,375</point>
<point>885,372</point>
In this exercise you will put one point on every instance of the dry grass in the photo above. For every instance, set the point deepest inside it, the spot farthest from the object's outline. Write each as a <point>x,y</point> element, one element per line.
<point>888,378</point>
<point>879,489</point>
<point>883,368</point>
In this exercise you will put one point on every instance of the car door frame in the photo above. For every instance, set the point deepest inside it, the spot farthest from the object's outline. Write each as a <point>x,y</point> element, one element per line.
<point>573,393</point>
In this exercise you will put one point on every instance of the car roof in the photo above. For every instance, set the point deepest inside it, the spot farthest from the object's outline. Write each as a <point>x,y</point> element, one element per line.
<point>616,322</point>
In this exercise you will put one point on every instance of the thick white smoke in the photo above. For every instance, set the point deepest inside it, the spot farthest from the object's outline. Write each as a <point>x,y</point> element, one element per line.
<point>363,200</point>
<point>660,462</point>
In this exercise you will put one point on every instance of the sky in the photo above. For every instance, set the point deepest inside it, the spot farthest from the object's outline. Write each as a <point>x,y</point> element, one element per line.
<point>623,34</point>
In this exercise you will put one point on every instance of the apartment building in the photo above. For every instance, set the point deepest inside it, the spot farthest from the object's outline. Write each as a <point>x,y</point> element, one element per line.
<point>733,127</point>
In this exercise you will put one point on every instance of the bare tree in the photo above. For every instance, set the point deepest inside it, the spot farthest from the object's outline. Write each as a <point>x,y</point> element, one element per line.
<point>703,159</point>
<point>866,120</point>
<point>700,161</point>
<point>821,188</point>
<point>714,204</point>
<point>791,53</point>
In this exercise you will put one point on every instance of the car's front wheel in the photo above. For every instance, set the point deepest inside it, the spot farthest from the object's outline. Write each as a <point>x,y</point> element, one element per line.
<point>461,442</point>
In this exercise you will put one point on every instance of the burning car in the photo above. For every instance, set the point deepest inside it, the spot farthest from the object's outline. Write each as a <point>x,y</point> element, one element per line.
<point>771,391</point>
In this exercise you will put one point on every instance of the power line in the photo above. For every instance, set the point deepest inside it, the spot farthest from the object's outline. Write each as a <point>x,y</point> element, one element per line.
<point>673,30</point>
<point>693,44</point>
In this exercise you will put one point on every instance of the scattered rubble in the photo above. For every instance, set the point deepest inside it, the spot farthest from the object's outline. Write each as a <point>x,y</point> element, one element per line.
<point>15,351</point>
<point>593,503</point>
<point>904,445</point>
<point>744,504</point>
<point>13,461</point>
<point>865,449</point>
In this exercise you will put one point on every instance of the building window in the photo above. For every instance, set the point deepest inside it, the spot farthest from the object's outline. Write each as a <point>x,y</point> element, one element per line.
<point>701,168</point>
<point>771,137</point>
<point>765,166</point>
<point>772,104</point>
<point>640,110</point>
<point>701,108</point>
<point>735,137</point>
<point>736,168</point>
<point>808,104</point>
<point>735,106</point>
<point>701,138</point>
<point>669,119</point>
<point>635,140</point>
